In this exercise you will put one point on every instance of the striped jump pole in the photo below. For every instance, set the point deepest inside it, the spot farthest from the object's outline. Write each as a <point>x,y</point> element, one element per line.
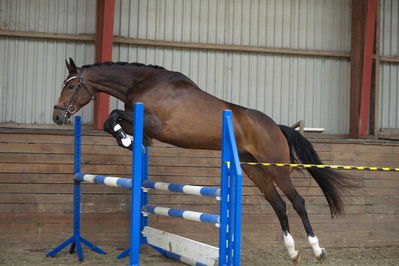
<point>186,189</point>
<point>104,180</point>
<point>187,215</point>
<point>127,183</point>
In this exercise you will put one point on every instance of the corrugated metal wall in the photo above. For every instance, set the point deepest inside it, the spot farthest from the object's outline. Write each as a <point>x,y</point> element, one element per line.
<point>32,71</point>
<point>389,77</point>
<point>288,88</point>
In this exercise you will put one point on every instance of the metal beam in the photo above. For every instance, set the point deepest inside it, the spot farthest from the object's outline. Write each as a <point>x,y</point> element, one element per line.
<point>104,40</point>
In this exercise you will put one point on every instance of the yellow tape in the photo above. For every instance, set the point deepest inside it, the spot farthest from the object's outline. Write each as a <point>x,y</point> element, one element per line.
<point>345,167</point>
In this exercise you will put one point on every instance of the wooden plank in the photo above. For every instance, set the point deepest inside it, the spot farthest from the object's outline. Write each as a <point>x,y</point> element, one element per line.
<point>102,159</point>
<point>98,198</point>
<point>197,251</point>
<point>31,178</point>
<point>58,218</point>
<point>103,139</point>
<point>361,157</point>
<point>106,169</point>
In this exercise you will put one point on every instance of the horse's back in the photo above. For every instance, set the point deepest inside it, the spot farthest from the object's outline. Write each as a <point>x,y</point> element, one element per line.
<point>192,118</point>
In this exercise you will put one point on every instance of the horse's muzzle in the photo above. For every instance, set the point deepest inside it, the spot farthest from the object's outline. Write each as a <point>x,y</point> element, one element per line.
<point>59,116</point>
<point>59,119</point>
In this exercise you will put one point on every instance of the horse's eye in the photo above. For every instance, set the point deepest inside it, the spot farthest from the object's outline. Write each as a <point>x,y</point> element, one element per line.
<point>70,86</point>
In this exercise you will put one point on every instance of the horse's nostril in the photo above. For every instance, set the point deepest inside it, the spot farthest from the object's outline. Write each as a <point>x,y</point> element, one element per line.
<point>57,119</point>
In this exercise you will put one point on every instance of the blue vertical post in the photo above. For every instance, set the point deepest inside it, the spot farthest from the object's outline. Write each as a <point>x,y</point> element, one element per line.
<point>76,186</point>
<point>237,218</point>
<point>224,190</point>
<point>76,239</point>
<point>231,196</point>
<point>137,170</point>
<point>231,185</point>
<point>144,196</point>
<point>236,183</point>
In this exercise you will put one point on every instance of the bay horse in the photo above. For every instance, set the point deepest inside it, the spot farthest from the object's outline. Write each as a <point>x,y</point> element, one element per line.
<point>178,112</point>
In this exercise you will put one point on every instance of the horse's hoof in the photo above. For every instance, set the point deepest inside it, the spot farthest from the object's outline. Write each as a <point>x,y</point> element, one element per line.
<point>296,259</point>
<point>322,256</point>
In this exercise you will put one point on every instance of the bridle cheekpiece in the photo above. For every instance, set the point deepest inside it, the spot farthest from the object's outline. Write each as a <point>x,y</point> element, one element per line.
<point>70,108</point>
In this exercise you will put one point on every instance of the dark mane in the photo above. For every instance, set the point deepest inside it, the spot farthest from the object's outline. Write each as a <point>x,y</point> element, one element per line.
<point>122,64</point>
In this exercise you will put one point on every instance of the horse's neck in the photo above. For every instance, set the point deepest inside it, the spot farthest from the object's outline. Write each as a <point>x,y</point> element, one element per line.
<point>106,81</point>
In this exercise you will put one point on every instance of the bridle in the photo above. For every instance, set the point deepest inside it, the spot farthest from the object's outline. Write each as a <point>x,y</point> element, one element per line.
<point>70,108</point>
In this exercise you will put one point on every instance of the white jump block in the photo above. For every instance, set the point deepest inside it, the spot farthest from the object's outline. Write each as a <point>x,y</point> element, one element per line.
<point>192,251</point>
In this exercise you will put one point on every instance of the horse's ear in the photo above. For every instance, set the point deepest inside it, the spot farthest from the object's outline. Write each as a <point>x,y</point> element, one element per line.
<point>71,65</point>
<point>68,66</point>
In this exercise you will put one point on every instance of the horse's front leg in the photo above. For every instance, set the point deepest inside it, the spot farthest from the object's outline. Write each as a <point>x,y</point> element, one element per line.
<point>118,123</point>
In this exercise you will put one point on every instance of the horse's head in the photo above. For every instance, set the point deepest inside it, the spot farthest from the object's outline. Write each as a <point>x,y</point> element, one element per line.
<point>74,94</point>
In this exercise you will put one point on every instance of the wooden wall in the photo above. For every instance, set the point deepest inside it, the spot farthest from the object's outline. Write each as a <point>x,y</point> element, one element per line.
<point>36,193</point>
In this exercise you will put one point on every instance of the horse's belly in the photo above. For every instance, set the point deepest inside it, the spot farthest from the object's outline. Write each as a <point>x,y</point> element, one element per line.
<point>191,137</point>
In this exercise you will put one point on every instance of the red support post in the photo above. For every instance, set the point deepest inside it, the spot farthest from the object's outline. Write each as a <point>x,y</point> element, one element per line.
<point>367,68</point>
<point>356,66</point>
<point>104,36</point>
<point>363,28</point>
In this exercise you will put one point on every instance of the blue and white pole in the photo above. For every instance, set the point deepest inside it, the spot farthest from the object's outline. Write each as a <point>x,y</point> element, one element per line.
<point>183,214</point>
<point>186,189</point>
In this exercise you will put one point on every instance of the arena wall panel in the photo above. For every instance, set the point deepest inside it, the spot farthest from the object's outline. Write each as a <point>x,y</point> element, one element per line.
<point>36,193</point>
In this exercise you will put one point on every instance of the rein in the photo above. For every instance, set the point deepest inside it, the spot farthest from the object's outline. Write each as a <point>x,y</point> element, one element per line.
<point>70,108</point>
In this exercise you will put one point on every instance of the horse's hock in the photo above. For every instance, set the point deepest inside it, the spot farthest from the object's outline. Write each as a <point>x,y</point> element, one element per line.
<point>36,206</point>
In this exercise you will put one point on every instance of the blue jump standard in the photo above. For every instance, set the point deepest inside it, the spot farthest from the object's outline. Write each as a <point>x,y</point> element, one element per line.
<point>76,238</point>
<point>229,194</point>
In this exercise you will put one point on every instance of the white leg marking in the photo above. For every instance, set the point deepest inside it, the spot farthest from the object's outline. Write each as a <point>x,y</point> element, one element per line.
<point>126,141</point>
<point>314,242</point>
<point>290,245</point>
<point>117,127</point>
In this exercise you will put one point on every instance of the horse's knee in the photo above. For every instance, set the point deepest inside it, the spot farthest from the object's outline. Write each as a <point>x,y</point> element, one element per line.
<point>114,115</point>
<point>108,126</point>
<point>112,126</point>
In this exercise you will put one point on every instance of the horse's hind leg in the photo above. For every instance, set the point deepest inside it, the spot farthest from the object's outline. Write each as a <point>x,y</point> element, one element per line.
<point>265,184</point>
<point>283,181</point>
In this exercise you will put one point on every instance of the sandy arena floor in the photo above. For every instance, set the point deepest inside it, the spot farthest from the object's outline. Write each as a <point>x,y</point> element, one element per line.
<point>381,256</point>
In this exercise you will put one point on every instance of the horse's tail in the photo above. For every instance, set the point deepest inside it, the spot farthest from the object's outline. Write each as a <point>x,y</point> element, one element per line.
<point>332,183</point>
